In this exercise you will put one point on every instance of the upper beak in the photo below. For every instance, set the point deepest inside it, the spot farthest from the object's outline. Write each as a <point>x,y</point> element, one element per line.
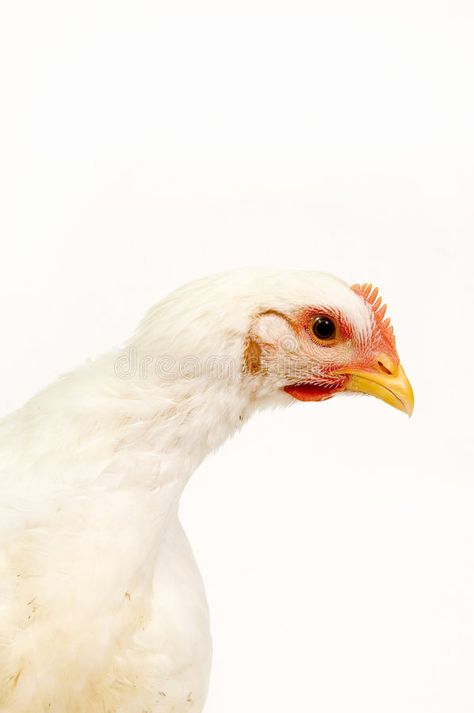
<point>387,381</point>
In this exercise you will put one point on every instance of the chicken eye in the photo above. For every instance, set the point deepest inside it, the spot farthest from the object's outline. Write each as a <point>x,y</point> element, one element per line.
<point>324,328</point>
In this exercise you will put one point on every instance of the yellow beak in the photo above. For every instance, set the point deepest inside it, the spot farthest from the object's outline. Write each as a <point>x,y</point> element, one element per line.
<point>389,383</point>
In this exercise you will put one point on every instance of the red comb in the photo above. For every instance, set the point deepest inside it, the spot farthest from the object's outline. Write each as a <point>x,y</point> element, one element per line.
<point>370,295</point>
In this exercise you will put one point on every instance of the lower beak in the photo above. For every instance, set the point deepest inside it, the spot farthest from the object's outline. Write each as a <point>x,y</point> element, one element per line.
<point>391,386</point>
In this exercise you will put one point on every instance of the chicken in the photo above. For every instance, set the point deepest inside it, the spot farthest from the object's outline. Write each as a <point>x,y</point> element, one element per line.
<point>102,607</point>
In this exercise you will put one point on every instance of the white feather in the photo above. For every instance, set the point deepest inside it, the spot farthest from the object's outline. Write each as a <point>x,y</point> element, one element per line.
<point>101,604</point>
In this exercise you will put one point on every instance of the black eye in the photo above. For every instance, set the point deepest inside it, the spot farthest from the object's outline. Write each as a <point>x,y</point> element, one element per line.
<point>324,328</point>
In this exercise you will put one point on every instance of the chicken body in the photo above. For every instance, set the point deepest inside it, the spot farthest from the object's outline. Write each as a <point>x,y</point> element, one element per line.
<point>102,605</point>
<point>102,608</point>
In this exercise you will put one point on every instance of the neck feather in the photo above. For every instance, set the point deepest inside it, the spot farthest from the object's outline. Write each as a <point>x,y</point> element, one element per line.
<point>94,427</point>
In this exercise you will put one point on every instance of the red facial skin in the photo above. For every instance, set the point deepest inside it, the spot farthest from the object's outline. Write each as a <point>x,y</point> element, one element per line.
<point>382,342</point>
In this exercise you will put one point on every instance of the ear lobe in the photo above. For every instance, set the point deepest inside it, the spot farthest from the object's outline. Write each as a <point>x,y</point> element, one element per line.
<point>274,329</point>
<point>269,331</point>
<point>252,354</point>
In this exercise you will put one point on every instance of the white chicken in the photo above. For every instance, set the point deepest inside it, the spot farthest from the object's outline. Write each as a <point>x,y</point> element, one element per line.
<point>102,608</point>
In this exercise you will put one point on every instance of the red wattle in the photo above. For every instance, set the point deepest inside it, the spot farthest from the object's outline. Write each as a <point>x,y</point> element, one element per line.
<point>311,392</point>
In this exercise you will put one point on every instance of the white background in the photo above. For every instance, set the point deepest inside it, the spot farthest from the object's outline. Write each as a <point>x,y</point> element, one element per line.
<point>144,144</point>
